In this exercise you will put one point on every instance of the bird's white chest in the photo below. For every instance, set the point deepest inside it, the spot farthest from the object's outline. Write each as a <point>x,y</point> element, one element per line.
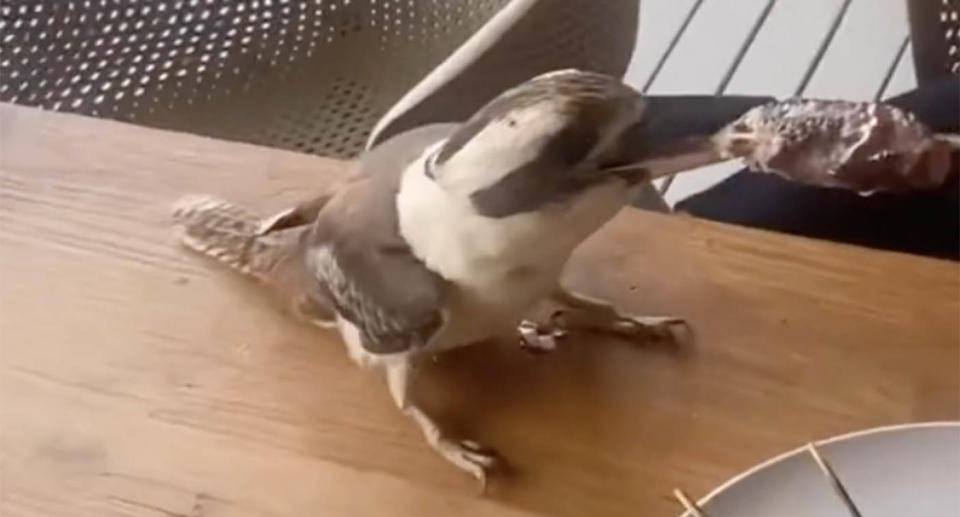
<point>500,266</point>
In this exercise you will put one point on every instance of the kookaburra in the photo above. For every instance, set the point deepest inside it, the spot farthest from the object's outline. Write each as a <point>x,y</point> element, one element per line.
<point>447,235</point>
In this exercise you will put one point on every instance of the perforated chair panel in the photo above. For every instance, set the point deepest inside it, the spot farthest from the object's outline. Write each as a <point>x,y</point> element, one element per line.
<point>313,76</point>
<point>935,36</point>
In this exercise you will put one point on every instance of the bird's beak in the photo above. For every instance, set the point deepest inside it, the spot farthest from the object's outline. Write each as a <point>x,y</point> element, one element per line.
<point>676,133</point>
<point>857,146</point>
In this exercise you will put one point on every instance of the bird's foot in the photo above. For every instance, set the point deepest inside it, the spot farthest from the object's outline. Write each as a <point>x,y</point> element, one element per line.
<point>465,454</point>
<point>471,457</point>
<point>639,329</point>
<point>535,339</point>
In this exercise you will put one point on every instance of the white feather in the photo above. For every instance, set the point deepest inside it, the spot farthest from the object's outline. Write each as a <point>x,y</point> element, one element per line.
<point>501,266</point>
<point>502,146</point>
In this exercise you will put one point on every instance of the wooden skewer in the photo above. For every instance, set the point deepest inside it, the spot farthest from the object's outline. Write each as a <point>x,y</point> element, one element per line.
<point>688,504</point>
<point>834,480</point>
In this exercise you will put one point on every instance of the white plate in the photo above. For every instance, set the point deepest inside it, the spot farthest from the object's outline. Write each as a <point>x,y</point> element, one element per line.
<point>901,471</point>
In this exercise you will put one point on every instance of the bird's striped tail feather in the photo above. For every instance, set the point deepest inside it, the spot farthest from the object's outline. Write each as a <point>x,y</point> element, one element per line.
<point>231,235</point>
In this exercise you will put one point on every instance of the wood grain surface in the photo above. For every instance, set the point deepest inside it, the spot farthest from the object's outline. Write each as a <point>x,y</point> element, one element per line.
<point>139,380</point>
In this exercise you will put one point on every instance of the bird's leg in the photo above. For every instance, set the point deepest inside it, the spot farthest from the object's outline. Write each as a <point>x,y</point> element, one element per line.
<point>584,313</point>
<point>465,454</point>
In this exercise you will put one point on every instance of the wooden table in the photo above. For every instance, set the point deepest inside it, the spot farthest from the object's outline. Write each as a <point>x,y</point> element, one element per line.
<point>138,380</point>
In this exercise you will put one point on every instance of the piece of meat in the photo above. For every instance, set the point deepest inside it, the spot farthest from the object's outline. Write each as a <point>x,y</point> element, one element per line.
<point>862,146</point>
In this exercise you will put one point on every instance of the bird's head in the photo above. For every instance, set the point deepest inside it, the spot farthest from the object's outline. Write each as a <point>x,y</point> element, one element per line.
<point>540,142</point>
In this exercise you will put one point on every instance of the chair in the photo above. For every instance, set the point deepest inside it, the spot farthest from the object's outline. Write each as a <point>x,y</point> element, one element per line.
<point>313,76</point>
<point>935,38</point>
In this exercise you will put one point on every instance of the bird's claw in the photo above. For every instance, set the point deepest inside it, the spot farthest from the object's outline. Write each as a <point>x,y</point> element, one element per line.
<point>642,329</point>
<point>535,339</point>
<point>475,459</point>
<point>657,328</point>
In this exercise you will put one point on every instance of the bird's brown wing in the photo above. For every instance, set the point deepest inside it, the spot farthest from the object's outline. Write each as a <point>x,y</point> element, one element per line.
<point>368,276</point>
<point>398,149</point>
<point>355,252</point>
<point>393,300</point>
